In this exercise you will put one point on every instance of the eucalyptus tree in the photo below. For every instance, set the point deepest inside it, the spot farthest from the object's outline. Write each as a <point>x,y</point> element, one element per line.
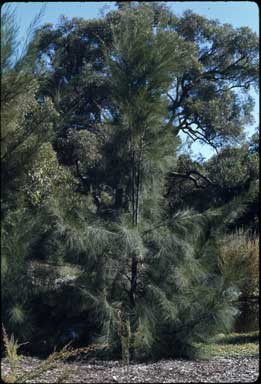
<point>209,99</point>
<point>75,79</point>
<point>233,172</point>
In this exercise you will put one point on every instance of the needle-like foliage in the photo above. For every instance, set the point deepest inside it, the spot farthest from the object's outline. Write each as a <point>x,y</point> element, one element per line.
<point>90,249</point>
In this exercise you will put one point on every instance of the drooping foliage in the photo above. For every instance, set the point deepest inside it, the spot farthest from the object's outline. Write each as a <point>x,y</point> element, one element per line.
<point>103,215</point>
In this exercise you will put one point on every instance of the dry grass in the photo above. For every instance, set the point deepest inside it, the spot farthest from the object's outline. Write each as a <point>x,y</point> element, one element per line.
<point>232,345</point>
<point>239,262</point>
<point>11,349</point>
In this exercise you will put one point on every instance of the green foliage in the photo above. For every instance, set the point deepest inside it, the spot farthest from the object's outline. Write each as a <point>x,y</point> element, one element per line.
<point>25,123</point>
<point>89,146</point>
<point>8,39</point>
<point>214,92</point>
<point>231,175</point>
<point>18,234</point>
<point>233,167</point>
<point>46,176</point>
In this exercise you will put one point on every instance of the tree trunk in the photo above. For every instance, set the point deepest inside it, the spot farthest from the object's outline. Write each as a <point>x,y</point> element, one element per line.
<point>133,313</point>
<point>119,198</point>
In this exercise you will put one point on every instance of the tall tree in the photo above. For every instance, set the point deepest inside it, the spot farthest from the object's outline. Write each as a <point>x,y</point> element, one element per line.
<point>113,82</point>
<point>142,62</point>
<point>141,65</point>
<point>26,125</point>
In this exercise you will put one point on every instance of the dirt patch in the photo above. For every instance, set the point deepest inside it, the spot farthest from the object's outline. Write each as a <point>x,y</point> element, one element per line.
<point>216,370</point>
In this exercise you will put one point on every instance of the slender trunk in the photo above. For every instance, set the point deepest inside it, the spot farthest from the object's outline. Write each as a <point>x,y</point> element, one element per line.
<point>133,314</point>
<point>118,197</point>
<point>133,261</point>
<point>134,264</point>
<point>138,184</point>
<point>136,180</point>
<point>137,195</point>
<point>133,188</point>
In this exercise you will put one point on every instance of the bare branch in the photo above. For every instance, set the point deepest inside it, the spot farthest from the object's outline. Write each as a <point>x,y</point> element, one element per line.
<point>189,175</point>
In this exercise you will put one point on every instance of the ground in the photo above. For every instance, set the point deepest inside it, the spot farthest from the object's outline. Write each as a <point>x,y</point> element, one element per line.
<point>217,370</point>
<point>230,359</point>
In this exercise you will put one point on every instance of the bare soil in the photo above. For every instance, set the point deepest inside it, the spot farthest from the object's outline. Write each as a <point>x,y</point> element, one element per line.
<point>216,370</point>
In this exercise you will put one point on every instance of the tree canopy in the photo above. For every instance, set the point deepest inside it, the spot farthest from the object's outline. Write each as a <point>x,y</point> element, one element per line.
<point>100,212</point>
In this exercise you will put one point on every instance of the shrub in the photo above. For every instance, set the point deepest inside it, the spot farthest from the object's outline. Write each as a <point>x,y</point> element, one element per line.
<point>239,264</point>
<point>239,261</point>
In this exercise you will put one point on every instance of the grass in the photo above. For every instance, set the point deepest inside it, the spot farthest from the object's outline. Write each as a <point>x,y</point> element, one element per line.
<point>19,376</point>
<point>231,345</point>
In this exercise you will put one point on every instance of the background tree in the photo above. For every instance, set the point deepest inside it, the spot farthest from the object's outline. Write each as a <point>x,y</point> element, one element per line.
<point>211,100</point>
<point>216,83</point>
<point>232,173</point>
<point>76,82</point>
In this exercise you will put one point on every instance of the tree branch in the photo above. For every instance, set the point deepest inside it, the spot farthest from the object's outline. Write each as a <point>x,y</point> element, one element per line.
<point>189,175</point>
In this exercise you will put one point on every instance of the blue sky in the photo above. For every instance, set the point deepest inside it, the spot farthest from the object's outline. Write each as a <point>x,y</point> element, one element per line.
<point>237,13</point>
